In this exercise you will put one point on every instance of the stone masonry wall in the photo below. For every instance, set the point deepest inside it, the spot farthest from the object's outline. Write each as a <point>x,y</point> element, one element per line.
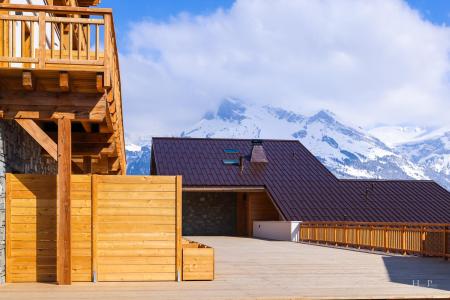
<point>209,213</point>
<point>20,154</point>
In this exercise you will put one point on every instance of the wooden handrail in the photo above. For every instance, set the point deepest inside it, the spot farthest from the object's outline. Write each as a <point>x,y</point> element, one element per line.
<point>428,239</point>
<point>56,9</point>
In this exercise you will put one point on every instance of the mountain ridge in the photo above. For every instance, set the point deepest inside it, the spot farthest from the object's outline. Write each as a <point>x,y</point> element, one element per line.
<point>346,151</point>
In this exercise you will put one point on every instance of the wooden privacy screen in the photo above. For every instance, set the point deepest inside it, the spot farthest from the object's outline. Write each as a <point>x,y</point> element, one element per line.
<point>127,234</point>
<point>134,230</point>
<point>31,228</point>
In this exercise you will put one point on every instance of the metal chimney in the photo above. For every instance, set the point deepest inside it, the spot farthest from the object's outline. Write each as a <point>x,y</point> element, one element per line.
<point>258,153</point>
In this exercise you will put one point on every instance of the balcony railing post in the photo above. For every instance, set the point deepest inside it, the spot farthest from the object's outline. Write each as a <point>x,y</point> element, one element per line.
<point>403,240</point>
<point>108,51</point>
<point>445,243</point>
<point>42,34</point>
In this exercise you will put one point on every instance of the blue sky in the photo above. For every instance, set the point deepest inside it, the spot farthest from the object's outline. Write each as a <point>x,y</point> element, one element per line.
<point>364,60</point>
<point>436,11</point>
<point>158,10</point>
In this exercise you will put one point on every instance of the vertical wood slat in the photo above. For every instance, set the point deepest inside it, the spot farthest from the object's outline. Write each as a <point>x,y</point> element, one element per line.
<point>52,39</point>
<point>42,34</point>
<point>13,38</point>
<point>61,38</point>
<point>94,184</point>
<point>88,42</point>
<point>70,41</point>
<point>97,42</point>
<point>32,24</point>
<point>64,257</point>
<point>80,26</point>
<point>8,227</point>
<point>178,228</point>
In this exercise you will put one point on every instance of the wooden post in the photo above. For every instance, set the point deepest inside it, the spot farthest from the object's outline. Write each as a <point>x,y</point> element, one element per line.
<point>403,239</point>
<point>42,35</point>
<point>445,243</point>
<point>179,229</point>
<point>371,238</point>
<point>63,261</point>
<point>385,239</point>
<point>94,183</point>
<point>107,51</point>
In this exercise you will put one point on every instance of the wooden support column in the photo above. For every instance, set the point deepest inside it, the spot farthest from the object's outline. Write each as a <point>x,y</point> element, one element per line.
<point>63,261</point>
<point>179,228</point>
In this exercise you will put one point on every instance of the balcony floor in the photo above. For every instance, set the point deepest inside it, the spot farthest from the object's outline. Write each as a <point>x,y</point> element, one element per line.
<point>251,268</point>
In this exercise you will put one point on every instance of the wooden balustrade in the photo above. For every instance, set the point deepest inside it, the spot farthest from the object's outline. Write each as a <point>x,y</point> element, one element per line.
<point>52,37</point>
<point>406,238</point>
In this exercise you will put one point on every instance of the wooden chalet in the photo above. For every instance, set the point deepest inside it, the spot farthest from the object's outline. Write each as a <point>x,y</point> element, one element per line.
<point>60,81</point>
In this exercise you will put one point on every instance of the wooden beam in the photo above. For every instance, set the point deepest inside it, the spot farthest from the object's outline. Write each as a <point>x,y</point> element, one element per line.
<point>64,260</point>
<point>114,164</point>
<point>87,126</point>
<point>39,136</point>
<point>93,149</point>
<point>64,81</point>
<point>44,105</point>
<point>101,166</point>
<point>99,83</point>
<point>87,138</point>
<point>27,80</point>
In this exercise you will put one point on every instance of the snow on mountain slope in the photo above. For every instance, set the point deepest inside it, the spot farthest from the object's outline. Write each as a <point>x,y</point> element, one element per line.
<point>346,151</point>
<point>395,135</point>
<point>419,153</point>
<point>432,154</point>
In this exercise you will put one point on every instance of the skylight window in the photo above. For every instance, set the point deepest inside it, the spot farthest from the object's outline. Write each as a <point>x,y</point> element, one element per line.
<point>231,162</point>
<point>231,151</point>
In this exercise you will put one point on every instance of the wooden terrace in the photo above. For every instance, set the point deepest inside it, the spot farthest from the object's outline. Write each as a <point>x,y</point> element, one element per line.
<point>258,269</point>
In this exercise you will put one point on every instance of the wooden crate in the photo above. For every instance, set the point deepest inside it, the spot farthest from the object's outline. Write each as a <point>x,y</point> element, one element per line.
<point>198,261</point>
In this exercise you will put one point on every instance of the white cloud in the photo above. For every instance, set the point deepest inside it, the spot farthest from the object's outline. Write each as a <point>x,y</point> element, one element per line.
<point>368,61</point>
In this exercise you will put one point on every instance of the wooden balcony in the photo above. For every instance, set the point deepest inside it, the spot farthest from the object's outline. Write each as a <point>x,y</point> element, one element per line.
<point>58,61</point>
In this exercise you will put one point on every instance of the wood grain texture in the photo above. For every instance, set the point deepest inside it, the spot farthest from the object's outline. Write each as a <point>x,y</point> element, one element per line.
<point>31,228</point>
<point>198,262</point>
<point>135,219</point>
<point>64,256</point>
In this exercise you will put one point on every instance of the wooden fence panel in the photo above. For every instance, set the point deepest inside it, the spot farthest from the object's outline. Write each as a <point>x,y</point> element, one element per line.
<point>31,228</point>
<point>134,228</point>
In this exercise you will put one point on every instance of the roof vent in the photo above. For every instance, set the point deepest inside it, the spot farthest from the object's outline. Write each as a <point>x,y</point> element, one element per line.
<point>258,153</point>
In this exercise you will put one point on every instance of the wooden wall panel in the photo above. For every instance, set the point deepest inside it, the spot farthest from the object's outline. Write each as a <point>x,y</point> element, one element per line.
<point>260,208</point>
<point>135,228</point>
<point>31,228</point>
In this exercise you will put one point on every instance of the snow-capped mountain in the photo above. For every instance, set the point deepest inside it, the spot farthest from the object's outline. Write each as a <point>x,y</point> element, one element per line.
<point>349,152</point>
<point>432,154</point>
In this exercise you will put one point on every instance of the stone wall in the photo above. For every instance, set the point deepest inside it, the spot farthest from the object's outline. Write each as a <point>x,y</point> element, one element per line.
<point>209,213</point>
<point>20,154</point>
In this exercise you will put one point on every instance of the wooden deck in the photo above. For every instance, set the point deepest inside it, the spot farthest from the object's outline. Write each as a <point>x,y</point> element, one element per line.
<point>250,269</point>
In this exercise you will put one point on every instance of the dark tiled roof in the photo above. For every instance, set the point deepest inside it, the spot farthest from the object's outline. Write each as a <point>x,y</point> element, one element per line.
<point>301,187</point>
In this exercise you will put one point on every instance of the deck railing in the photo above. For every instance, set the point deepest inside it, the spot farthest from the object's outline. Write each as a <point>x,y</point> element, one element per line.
<point>406,238</point>
<point>61,38</point>
<point>56,37</point>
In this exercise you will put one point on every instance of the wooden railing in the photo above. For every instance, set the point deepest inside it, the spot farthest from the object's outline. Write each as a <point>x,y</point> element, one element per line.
<point>63,38</point>
<point>406,238</point>
<point>57,37</point>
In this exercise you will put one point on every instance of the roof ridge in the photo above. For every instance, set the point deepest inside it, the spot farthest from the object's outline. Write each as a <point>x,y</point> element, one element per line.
<point>222,139</point>
<point>386,180</point>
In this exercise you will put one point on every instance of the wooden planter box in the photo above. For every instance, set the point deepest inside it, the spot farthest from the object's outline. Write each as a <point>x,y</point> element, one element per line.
<point>198,261</point>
